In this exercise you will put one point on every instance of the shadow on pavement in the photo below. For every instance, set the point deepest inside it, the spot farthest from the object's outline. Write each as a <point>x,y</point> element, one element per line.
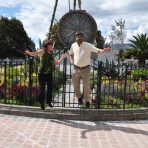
<point>89,126</point>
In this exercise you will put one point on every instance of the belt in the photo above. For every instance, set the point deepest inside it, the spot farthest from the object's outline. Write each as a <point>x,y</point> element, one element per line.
<point>77,67</point>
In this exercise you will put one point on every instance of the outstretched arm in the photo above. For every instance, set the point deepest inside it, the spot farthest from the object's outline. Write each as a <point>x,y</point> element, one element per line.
<point>98,50</point>
<point>39,52</point>
<point>104,50</point>
<point>62,57</point>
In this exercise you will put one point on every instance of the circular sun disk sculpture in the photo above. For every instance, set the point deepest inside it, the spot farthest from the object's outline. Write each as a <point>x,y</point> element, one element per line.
<point>73,21</point>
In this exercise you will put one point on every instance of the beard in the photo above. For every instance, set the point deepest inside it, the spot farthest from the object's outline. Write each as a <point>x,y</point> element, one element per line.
<point>79,40</point>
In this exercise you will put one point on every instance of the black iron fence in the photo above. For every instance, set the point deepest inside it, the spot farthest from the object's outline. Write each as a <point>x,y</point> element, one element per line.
<point>112,85</point>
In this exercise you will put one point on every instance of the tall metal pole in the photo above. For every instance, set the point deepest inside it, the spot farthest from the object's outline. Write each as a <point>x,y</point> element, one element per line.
<point>69,4</point>
<point>53,15</point>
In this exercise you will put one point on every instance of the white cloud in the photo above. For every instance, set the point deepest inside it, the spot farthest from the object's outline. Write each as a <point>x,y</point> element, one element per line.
<point>116,5</point>
<point>36,14</point>
<point>9,3</point>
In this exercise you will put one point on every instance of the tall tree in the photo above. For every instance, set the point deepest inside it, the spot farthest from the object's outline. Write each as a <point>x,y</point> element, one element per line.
<point>120,55</point>
<point>13,38</point>
<point>119,34</point>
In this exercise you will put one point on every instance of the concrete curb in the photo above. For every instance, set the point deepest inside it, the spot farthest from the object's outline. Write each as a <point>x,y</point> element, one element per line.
<point>76,114</point>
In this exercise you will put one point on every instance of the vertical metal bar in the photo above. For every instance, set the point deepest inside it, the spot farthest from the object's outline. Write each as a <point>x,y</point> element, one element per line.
<point>8,80</point>
<point>19,86</point>
<point>64,83</point>
<point>93,83</point>
<point>5,80</point>
<point>99,78</point>
<point>12,78</point>
<point>30,79</point>
<point>125,85</point>
<point>25,70</point>
<point>36,78</point>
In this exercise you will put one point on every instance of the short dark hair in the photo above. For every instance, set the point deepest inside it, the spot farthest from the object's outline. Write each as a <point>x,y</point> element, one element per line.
<point>46,43</point>
<point>98,32</point>
<point>79,33</point>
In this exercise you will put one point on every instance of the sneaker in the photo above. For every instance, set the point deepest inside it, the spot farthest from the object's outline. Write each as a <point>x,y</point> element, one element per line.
<point>87,105</point>
<point>42,107</point>
<point>50,105</point>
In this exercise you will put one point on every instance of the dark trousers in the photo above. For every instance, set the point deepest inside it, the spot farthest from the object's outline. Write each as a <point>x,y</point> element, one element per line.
<point>43,80</point>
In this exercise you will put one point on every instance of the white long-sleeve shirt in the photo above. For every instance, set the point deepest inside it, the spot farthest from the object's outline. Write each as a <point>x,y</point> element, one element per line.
<point>82,53</point>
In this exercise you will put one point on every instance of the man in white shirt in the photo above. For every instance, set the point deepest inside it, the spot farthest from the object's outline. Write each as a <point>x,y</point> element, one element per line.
<point>80,53</point>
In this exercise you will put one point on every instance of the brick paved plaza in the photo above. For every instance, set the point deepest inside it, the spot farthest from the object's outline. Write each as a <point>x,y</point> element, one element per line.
<point>26,132</point>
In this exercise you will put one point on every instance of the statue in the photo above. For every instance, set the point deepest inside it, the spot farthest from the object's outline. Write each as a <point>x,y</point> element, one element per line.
<point>100,40</point>
<point>100,44</point>
<point>79,3</point>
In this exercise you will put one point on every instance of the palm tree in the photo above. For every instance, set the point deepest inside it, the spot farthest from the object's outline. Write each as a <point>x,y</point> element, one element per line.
<point>130,52</point>
<point>139,47</point>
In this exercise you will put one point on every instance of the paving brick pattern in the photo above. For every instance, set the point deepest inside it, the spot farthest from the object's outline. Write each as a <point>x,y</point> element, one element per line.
<point>26,132</point>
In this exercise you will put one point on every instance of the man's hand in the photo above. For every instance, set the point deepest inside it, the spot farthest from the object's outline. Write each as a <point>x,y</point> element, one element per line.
<point>71,58</point>
<point>64,55</point>
<point>71,61</point>
<point>107,49</point>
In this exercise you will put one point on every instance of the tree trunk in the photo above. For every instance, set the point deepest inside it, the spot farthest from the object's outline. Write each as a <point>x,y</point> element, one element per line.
<point>53,16</point>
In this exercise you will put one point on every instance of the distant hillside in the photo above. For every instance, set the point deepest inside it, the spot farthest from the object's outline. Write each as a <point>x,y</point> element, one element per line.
<point>112,56</point>
<point>120,46</point>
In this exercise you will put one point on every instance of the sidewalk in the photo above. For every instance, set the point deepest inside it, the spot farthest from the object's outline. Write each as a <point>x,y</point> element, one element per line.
<point>26,132</point>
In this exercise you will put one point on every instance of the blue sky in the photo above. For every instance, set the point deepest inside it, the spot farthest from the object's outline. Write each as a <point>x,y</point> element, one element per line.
<point>9,11</point>
<point>36,14</point>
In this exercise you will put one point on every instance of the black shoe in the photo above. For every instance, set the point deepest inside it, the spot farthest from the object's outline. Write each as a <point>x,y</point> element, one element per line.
<point>50,105</point>
<point>87,105</point>
<point>42,107</point>
<point>80,101</point>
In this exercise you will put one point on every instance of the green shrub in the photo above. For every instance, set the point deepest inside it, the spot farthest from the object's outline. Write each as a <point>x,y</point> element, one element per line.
<point>140,74</point>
